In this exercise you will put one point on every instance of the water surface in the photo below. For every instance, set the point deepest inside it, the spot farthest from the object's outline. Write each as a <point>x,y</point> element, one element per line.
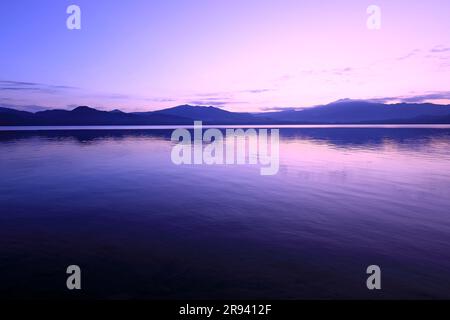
<point>112,202</point>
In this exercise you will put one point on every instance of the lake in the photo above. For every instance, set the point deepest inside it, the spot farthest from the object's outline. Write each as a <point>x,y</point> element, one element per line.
<point>110,200</point>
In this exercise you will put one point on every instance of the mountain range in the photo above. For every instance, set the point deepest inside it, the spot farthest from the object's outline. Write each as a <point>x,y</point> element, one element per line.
<point>339,112</point>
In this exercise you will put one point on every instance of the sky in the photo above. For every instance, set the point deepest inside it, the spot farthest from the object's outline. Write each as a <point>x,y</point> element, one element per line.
<point>240,55</point>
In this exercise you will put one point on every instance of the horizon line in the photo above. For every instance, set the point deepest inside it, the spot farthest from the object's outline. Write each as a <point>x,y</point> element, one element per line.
<point>72,107</point>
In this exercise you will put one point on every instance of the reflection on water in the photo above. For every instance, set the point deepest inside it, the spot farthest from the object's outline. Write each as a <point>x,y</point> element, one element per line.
<point>112,202</point>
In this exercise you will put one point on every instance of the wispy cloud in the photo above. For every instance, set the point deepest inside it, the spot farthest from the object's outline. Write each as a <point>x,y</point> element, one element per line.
<point>411,54</point>
<point>440,49</point>
<point>331,71</point>
<point>216,101</point>
<point>340,71</point>
<point>160,99</point>
<point>427,97</point>
<point>212,101</point>
<point>441,54</point>
<point>430,96</point>
<point>10,85</point>
<point>29,108</point>
<point>209,94</point>
<point>224,99</point>
<point>280,109</point>
<point>256,91</point>
<point>209,103</point>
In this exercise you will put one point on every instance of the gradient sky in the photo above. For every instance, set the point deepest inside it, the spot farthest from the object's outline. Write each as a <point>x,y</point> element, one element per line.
<point>242,55</point>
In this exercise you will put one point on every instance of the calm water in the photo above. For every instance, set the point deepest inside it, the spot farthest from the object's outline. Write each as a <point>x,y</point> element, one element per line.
<point>112,202</point>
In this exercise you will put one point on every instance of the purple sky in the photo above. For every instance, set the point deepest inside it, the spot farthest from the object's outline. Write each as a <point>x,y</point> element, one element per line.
<point>243,55</point>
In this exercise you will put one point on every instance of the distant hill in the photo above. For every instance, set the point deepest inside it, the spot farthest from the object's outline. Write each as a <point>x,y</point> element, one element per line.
<point>340,112</point>
<point>85,116</point>
<point>354,111</point>
<point>209,114</point>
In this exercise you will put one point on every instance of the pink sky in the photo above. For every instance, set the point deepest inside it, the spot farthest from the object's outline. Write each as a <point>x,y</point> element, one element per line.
<point>240,55</point>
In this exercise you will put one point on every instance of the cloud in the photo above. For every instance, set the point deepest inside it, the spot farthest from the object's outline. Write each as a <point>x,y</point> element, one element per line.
<point>286,77</point>
<point>256,91</point>
<point>9,85</point>
<point>216,101</point>
<point>334,71</point>
<point>280,109</point>
<point>340,71</point>
<point>209,103</point>
<point>383,100</point>
<point>441,95</point>
<point>411,54</point>
<point>430,96</point>
<point>440,49</point>
<point>440,53</point>
<point>29,108</point>
<point>160,99</point>
<point>117,96</point>
<point>209,94</point>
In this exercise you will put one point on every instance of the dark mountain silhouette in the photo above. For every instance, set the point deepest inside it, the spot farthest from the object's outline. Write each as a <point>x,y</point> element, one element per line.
<point>85,116</point>
<point>340,112</point>
<point>212,115</point>
<point>14,117</point>
<point>354,111</point>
